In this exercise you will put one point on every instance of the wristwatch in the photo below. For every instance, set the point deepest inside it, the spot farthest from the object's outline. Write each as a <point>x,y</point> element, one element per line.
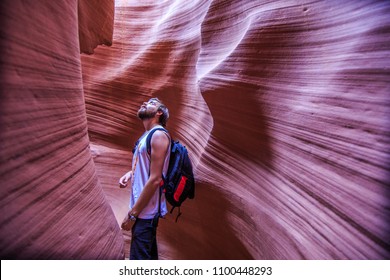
<point>131,217</point>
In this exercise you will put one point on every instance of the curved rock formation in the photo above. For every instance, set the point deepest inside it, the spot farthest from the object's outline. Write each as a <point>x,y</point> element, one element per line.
<point>283,106</point>
<point>52,205</point>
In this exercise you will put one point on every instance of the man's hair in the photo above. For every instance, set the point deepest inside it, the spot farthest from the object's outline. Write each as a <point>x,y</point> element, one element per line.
<point>165,113</point>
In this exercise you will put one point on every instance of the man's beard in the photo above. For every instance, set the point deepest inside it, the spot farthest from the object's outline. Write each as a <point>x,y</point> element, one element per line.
<point>144,114</point>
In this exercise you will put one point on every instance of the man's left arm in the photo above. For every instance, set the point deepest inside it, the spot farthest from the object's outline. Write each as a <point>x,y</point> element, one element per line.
<point>159,144</point>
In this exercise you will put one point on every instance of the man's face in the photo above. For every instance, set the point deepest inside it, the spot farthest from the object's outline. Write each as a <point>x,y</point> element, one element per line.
<point>148,109</point>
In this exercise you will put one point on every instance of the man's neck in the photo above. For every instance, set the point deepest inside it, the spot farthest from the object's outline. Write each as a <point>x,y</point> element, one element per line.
<point>149,124</point>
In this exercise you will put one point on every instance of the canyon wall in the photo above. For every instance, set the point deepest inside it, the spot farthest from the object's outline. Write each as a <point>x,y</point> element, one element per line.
<point>52,204</point>
<point>283,106</point>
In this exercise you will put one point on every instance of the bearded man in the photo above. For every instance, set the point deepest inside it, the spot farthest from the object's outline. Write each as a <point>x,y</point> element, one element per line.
<point>147,204</point>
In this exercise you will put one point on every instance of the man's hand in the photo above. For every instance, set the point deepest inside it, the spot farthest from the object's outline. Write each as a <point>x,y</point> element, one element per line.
<point>128,222</point>
<point>125,179</point>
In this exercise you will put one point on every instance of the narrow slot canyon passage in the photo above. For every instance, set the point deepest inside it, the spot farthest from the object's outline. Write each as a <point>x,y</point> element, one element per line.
<point>283,106</point>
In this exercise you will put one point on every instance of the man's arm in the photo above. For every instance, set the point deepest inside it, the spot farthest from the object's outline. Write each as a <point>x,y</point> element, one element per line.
<point>124,179</point>
<point>159,144</point>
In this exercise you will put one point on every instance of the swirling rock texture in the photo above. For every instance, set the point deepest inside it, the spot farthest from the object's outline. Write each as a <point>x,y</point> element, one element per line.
<point>283,106</point>
<point>52,205</point>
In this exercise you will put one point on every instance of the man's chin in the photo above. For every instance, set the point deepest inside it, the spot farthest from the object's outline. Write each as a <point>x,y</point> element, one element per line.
<point>144,116</point>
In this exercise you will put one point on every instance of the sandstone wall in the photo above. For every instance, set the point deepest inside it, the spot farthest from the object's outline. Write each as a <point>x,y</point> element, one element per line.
<point>52,205</point>
<point>283,106</point>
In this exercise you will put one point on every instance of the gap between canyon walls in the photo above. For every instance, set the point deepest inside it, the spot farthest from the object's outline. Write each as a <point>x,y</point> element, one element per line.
<point>283,106</point>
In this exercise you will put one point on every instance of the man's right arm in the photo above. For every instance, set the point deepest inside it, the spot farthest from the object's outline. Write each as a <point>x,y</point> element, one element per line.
<point>125,179</point>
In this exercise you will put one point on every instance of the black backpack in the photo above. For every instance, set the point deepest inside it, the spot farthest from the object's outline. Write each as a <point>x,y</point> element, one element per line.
<point>179,183</point>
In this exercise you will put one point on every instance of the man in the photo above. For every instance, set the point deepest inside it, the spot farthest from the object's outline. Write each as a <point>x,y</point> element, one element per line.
<point>146,202</point>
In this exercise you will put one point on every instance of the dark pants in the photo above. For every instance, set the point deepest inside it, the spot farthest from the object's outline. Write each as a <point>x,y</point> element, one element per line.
<point>143,240</point>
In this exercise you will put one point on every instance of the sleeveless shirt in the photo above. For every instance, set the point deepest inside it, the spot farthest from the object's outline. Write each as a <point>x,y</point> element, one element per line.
<point>141,169</point>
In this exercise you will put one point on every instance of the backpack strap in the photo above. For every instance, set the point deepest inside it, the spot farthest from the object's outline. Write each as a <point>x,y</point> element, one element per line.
<point>159,202</point>
<point>178,214</point>
<point>149,138</point>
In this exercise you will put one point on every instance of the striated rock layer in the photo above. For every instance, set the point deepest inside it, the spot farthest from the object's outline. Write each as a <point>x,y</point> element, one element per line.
<point>51,202</point>
<point>283,106</point>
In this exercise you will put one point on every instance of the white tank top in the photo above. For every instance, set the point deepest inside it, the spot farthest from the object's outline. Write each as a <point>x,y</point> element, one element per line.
<point>141,169</point>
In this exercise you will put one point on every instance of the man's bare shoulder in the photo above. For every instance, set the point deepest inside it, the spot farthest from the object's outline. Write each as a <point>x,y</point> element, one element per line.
<point>160,137</point>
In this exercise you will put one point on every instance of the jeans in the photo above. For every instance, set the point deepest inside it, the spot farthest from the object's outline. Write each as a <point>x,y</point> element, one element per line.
<point>143,239</point>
